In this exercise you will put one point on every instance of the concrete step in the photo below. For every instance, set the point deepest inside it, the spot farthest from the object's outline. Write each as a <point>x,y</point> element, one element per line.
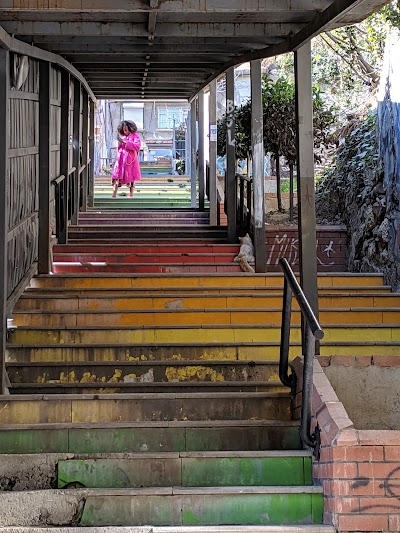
<point>164,506</point>
<point>143,436</point>
<point>132,220</point>
<point>179,256</point>
<point>209,316</point>
<point>122,407</point>
<point>187,469</point>
<point>34,300</point>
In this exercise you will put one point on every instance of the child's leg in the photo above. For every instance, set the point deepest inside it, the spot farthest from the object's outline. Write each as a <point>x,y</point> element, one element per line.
<point>131,189</point>
<point>115,189</point>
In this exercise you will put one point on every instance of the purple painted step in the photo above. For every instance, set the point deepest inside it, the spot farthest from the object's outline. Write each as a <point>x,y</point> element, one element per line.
<point>144,214</point>
<point>167,222</point>
<point>153,248</point>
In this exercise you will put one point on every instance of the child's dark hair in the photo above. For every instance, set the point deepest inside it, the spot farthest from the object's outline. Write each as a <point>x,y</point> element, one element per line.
<point>128,124</point>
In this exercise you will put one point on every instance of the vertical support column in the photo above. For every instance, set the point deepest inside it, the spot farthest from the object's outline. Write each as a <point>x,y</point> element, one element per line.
<point>76,137</point>
<point>258,166</point>
<point>213,153</point>
<point>44,168</point>
<point>193,153</point>
<point>202,169</point>
<point>230,177</point>
<point>4,133</point>
<point>305,176</point>
<point>64,151</point>
<point>91,154</point>
<point>85,163</point>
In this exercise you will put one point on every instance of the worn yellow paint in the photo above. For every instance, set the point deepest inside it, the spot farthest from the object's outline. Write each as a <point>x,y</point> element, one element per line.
<point>117,375</point>
<point>274,377</point>
<point>193,373</point>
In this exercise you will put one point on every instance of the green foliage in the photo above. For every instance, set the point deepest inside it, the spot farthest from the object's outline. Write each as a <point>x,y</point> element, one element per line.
<point>357,155</point>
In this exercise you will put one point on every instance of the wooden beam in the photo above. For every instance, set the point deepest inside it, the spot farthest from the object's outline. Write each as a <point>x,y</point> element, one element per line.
<point>44,168</point>
<point>258,167</point>
<point>4,133</point>
<point>230,174</point>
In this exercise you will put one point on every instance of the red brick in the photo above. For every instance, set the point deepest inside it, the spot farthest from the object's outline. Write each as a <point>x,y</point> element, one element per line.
<point>347,437</point>
<point>344,470</point>
<point>386,360</point>
<point>392,453</point>
<point>326,454</point>
<point>379,470</point>
<point>343,360</point>
<point>324,360</point>
<point>394,522</point>
<point>358,453</point>
<point>356,522</point>
<point>355,487</point>
<point>342,505</point>
<point>363,361</point>
<point>379,505</point>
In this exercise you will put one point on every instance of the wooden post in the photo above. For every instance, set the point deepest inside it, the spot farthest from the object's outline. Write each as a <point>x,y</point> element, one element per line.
<point>193,153</point>
<point>91,154</point>
<point>85,152</point>
<point>4,133</point>
<point>230,176</point>
<point>44,168</point>
<point>202,169</point>
<point>76,144</point>
<point>64,149</point>
<point>213,153</point>
<point>305,176</point>
<point>258,167</point>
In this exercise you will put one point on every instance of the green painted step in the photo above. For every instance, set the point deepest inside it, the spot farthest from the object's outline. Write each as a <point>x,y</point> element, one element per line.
<point>210,469</point>
<point>172,436</point>
<point>176,529</point>
<point>212,506</point>
<point>165,506</point>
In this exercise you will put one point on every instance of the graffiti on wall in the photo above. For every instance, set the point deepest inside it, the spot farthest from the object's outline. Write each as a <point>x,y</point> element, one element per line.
<point>288,247</point>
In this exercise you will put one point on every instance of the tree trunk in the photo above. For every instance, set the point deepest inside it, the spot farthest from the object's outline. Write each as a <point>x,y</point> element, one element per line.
<point>291,192</point>
<point>278,183</point>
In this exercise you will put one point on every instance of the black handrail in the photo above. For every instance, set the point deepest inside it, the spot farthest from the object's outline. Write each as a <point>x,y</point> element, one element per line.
<point>312,332</point>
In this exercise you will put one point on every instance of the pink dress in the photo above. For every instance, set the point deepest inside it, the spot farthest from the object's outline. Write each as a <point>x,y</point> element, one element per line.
<point>126,167</point>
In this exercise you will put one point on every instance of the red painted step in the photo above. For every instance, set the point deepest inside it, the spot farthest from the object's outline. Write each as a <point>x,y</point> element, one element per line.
<point>144,258</point>
<point>166,268</point>
<point>153,248</point>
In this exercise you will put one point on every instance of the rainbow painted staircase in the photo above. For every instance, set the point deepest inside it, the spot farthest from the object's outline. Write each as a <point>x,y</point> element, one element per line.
<point>142,395</point>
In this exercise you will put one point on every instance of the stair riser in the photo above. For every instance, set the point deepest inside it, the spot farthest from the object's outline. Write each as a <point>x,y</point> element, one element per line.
<point>159,282</point>
<point>199,317</point>
<point>146,222</point>
<point>68,409</point>
<point>164,509</point>
<point>31,337</point>
<point>144,258</point>
<point>86,302</point>
<point>149,249</point>
<point>169,372</point>
<point>185,472</point>
<point>149,439</point>
<point>162,215</point>
<point>146,269</point>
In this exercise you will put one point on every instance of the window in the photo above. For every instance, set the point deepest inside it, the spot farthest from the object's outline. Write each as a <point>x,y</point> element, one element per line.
<point>167,116</point>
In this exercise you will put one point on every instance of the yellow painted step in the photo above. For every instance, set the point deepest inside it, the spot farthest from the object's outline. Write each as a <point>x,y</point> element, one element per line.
<point>26,336</point>
<point>85,302</point>
<point>200,317</point>
<point>151,407</point>
<point>193,280</point>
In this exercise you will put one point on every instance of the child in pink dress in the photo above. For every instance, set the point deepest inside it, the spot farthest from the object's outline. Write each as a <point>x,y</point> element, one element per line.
<point>126,168</point>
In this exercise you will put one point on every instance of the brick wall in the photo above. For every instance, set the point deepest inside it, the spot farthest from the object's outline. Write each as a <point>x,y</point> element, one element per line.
<point>283,241</point>
<point>359,469</point>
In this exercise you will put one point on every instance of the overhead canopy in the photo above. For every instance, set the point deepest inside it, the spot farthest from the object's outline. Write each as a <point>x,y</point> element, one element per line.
<point>132,49</point>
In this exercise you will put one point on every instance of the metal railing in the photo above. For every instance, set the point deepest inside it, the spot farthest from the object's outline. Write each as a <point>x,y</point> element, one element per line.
<point>244,186</point>
<point>312,333</point>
